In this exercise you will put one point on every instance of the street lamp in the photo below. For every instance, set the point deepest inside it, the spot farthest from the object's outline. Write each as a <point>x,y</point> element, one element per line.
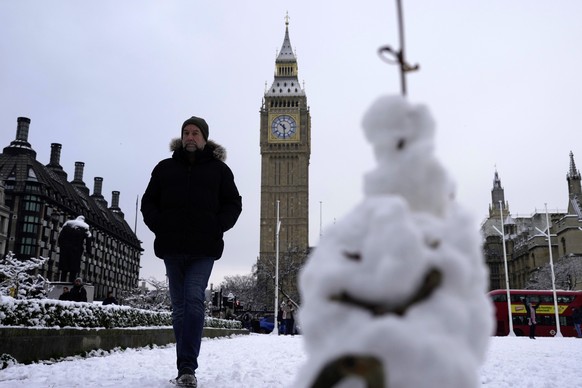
<point>556,312</point>
<point>501,232</point>
<point>278,227</point>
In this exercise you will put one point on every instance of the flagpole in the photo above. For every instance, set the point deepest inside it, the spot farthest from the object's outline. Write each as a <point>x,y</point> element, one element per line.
<point>135,225</point>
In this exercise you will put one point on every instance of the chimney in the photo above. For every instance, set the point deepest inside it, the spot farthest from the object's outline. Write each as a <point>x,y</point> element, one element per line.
<point>115,200</point>
<point>115,203</point>
<point>22,129</point>
<point>21,144</point>
<point>79,167</point>
<point>78,178</point>
<point>97,189</point>
<point>98,186</point>
<point>55,162</point>
<point>55,155</point>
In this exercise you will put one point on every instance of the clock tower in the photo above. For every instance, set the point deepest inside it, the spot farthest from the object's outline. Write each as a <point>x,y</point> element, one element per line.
<point>285,151</point>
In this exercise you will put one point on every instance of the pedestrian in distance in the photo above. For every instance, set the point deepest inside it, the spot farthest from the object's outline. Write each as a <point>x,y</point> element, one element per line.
<point>110,299</point>
<point>78,293</point>
<point>280,324</point>
<point>73,237</point>
<point>65,295</point>
<point>289,318</point>
<point>191,200</point>
<point>530,311</point>
<point>577,320</point>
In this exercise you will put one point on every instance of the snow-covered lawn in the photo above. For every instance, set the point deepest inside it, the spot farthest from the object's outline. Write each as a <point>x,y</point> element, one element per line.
<point>267,361</point>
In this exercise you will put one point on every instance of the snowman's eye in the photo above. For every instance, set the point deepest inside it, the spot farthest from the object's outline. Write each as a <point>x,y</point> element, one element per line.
<point>353,256</point>
<point>434,244</point>
<point>401,144</point>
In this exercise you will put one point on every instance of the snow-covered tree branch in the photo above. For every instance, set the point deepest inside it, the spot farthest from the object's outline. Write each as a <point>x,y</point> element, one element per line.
<point>18,278</point>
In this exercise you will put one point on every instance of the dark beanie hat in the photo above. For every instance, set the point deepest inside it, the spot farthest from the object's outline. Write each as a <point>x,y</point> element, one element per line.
<point>200,123</point>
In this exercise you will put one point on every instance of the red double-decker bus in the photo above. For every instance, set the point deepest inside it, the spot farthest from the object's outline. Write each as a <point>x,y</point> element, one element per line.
<point>545,313</point>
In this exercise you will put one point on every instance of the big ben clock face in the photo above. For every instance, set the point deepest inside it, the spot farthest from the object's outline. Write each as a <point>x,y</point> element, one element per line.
<point>284,127</point>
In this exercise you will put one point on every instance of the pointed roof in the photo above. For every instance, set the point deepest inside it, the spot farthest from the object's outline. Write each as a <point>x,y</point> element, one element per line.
<point>286,54</point>
<point>496,181</point>
<point>574,189</point>
<point>498,202</point>
<point>573,173</point>
<point>286,83</point>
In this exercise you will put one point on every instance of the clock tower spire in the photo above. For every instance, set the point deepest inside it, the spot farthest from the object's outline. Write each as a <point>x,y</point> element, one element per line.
<point>285,142</point>
<point>286,81</point>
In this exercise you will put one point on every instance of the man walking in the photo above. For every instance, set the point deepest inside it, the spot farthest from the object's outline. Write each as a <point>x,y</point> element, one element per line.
<point>190,201</point>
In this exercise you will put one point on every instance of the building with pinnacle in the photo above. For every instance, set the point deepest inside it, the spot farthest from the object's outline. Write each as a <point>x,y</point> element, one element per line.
<point>285,143</point>
<point>36,200</point>
<point>527,247</point>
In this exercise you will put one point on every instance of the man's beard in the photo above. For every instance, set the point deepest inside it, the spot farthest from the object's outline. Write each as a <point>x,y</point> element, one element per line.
<point>191,147</point>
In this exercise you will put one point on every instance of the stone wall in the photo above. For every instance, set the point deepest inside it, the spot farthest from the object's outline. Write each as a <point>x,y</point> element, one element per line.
<point>28,345</point>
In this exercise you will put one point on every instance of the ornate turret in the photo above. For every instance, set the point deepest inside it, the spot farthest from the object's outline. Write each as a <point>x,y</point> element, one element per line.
<point>497,195</point>
<point>574,188</point>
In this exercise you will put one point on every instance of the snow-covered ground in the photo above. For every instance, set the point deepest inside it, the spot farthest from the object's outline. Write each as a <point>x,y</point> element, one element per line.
<point>259,360</point>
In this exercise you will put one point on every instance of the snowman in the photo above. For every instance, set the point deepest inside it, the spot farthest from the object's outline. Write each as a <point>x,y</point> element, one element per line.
<point>395,293</point>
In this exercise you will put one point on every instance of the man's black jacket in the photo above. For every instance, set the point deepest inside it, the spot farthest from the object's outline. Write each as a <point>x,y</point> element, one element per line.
<point>188,205</point>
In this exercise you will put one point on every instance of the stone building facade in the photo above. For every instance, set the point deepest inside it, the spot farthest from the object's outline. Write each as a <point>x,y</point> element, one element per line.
<point>38,199</point>
<point>526,244</point>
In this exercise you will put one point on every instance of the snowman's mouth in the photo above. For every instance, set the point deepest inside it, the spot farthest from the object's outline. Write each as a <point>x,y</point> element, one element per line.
<point>431,281</point>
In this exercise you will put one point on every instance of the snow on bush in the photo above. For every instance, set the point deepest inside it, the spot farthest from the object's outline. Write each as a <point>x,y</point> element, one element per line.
<point>57,313</point>
<point>17,278</point>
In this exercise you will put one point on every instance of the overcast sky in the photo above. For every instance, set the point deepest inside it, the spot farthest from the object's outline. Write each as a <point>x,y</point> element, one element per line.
<point>113,81</point>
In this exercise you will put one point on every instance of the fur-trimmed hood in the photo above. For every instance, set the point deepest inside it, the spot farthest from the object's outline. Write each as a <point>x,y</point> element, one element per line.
<point>218,151</point>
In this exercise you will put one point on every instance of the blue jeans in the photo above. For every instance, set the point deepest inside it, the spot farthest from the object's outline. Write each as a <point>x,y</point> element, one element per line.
<point>188,277</point>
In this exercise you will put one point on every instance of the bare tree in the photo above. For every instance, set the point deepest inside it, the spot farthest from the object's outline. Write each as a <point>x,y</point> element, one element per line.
<point>244,287</point>
<point>157,299</point>
<point>567,270</point>
<point>290,264</point>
